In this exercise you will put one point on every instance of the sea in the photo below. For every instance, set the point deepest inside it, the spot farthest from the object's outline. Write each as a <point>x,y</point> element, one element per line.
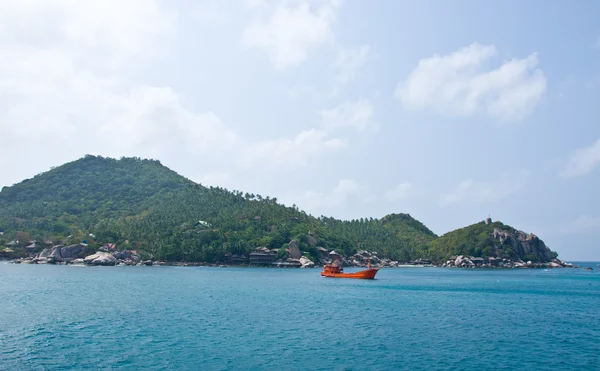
<point>209,318</point>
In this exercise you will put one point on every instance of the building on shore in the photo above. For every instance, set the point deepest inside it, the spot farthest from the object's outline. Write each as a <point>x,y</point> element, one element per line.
<point>262,255</point>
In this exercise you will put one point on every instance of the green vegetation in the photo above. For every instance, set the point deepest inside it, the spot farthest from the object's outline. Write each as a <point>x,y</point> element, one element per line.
<point>478,240</point>
<point>140,204</point>
<point>475,240</point>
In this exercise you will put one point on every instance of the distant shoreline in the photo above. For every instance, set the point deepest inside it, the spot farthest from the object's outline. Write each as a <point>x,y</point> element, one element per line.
<point>251,266</point>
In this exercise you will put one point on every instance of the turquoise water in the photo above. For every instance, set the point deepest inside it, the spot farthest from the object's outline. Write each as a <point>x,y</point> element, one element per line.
<point>197,318</point>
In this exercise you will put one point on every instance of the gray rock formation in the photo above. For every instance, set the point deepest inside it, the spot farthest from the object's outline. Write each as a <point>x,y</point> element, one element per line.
<point>306,263</point>
<point>294,250</point>
<point>72,251</point>
<point>122,255</point>
<point>61,253</point>
<point>55,253</point>
<point>125,257</point>
<point>524,244</point>
<point>312,241</point>
<point>100,258</point>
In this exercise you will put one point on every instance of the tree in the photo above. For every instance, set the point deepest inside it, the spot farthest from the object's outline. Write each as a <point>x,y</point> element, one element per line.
<point>23,238</point>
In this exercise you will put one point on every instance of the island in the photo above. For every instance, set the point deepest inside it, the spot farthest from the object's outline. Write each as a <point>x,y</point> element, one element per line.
<point>133,211</point>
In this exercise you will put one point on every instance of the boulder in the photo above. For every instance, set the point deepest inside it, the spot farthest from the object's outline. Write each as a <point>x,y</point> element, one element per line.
<point>77,261</point>
<point>90,258</point>
<point>106,259</point>
<point>72,251</point>
<point>306,263</point>
<point>45,253</point>
<point>555,265</point>
<point>294,250</point>
<point>100,258</point>
<point>122,255</point>
<point>458,260</point>
<point>55,253</point>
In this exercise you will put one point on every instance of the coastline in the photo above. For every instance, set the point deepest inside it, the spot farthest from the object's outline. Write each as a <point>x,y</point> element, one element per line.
<point>518,265</point>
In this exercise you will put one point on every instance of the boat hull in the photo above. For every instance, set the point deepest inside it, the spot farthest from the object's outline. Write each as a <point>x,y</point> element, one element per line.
<point>368,274</point>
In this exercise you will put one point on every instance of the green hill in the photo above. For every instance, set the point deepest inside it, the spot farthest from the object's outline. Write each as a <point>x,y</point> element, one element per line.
<point>143,205</point>
<point>79,194</point>
<point>487,239</point>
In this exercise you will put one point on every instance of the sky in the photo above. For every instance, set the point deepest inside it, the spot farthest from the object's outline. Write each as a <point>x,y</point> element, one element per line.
<point>447,111</point>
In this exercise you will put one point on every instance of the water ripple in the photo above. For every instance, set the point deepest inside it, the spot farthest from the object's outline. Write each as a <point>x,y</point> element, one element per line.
<point>55,317</point>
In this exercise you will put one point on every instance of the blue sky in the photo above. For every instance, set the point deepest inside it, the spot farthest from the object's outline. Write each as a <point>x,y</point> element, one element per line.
<point>447,111</point>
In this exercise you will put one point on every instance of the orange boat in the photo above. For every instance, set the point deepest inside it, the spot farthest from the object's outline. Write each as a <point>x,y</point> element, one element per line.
<point>334,270</point>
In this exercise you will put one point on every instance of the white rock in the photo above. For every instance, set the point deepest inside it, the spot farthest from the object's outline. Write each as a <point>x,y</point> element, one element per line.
<point>100,258</point>
<point>306,262</point>
<point>458,260</point>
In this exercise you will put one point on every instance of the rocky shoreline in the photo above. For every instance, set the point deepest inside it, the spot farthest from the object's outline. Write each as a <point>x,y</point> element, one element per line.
<point>107,259</point>
<point>80,254</point>
<point>491,262</point>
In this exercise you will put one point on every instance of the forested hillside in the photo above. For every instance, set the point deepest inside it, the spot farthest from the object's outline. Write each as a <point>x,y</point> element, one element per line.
<point>142,205</point>
<point>490,239</point>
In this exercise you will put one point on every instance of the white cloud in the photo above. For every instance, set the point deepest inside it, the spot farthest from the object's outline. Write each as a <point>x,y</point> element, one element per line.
<point>400,192</point>
<point>216,179</point>
<point>65,86</point>
<point>308,145</point>
<point>315,201</point>
<point>460,84</point>
<point>356,114</point>
<point>293,31</point>
<point>210,11</point>
<point>109,30</point>
<point>67,80</point>
<point>296,152</point>
<point>151,118</point>
<point>584,224</point>
<point>470,191</point>
<point>54,89</point>
<point>349,61</point>
<point>582,161</point>
<point>253,4</point>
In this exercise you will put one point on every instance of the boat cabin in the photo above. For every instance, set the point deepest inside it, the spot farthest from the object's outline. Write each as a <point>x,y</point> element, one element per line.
<point>329,268</point>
